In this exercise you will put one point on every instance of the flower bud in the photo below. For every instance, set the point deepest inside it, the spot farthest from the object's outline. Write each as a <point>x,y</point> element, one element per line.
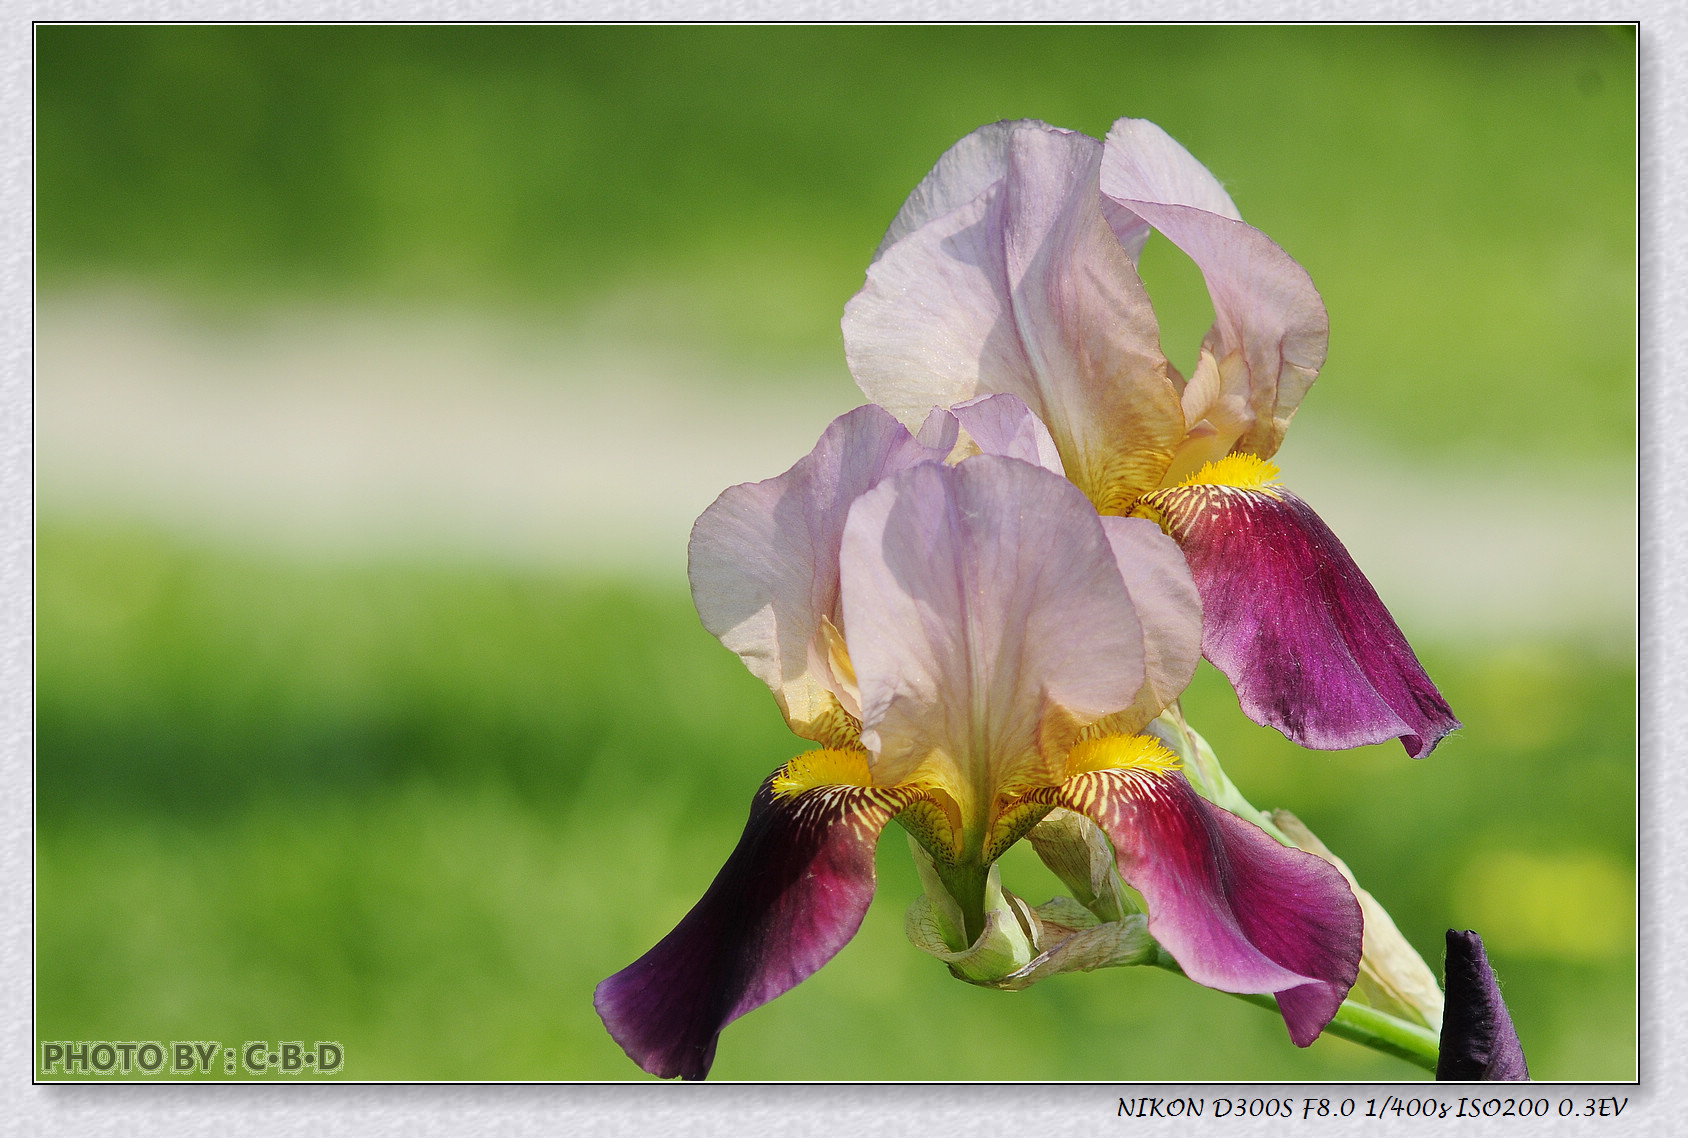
<point>1021,945</point>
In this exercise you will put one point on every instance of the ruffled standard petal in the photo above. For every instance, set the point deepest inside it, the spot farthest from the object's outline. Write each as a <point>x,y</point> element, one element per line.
<point>764,562</point>
<point>1266,310</point>
<point>990,424</point>
<point>1236,910</point>
<point>965,171</point>
<point>922,330</point>
<point>1022,289</point>
<point>988,623</point>
<point>791,895</point>
<point>1293,623</point>
<point>1003,425</point>
<point>1479,1042</point>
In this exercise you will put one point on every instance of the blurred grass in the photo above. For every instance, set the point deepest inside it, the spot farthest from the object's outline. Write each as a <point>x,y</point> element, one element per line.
<point>1464,196</point>
<point>423,812</point>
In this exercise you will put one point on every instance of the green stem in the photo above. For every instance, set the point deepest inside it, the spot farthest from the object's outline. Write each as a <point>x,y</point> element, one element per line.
<point>1383,1032</point>
<point>1372,1028</point>
<point>1356,1022</point>
<point>967,884</point>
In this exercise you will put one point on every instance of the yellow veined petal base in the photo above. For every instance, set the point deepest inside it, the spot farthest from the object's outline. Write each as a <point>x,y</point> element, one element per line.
<point>1122,752</point>
<point>1227,481</point>
<point>1012,823</point>
<point>1244,471</point>
<point>817,715</point>
<point>1018,812</point>
<point>924,810</point>
<point>1114,480</point>
<point>831,767</point>
<point>933,823</point>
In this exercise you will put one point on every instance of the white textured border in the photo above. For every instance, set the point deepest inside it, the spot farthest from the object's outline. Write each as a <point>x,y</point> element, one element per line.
<point>1663,412</point>
<point>133,1110</point>
<point>926,11</point>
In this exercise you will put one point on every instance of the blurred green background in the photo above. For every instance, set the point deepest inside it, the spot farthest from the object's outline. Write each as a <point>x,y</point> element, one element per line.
<point>422,807</point>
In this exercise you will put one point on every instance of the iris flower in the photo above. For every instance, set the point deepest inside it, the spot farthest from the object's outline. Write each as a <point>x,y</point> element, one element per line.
<point>1012,268</point>
<point>975,651</point>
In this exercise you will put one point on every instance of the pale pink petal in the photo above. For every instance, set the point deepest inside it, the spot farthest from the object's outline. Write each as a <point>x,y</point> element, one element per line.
<point>987,621</point>
<point>965,171</point>
<point>932,326</point>
<point>764,561</point>
<point>1143,158</point>
<point>1025,290</point>
<point>940,432</point>
<point>1164,595</point>
<point>1002,424</point>
<point>1265,305</point>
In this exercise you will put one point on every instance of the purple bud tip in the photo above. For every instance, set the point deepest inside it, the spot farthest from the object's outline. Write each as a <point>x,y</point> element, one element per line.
<point>1479,1043</point>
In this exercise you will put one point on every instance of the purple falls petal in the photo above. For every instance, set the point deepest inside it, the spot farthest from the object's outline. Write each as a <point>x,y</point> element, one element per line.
<point>1296,627</point>
<point>1238,911</point>
<point>1479,1042</point>
<point>791,895</point>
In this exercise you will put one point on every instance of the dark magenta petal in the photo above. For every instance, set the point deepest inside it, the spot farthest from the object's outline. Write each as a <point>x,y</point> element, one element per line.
<point>1479,1042</point>
<point>791,895</point>
<point>1239,911</point>
<point>1299,911</point>
<point>1296,627</point>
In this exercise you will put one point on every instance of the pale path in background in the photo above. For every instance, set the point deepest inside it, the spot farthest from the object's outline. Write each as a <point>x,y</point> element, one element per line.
<point>378,434</point>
